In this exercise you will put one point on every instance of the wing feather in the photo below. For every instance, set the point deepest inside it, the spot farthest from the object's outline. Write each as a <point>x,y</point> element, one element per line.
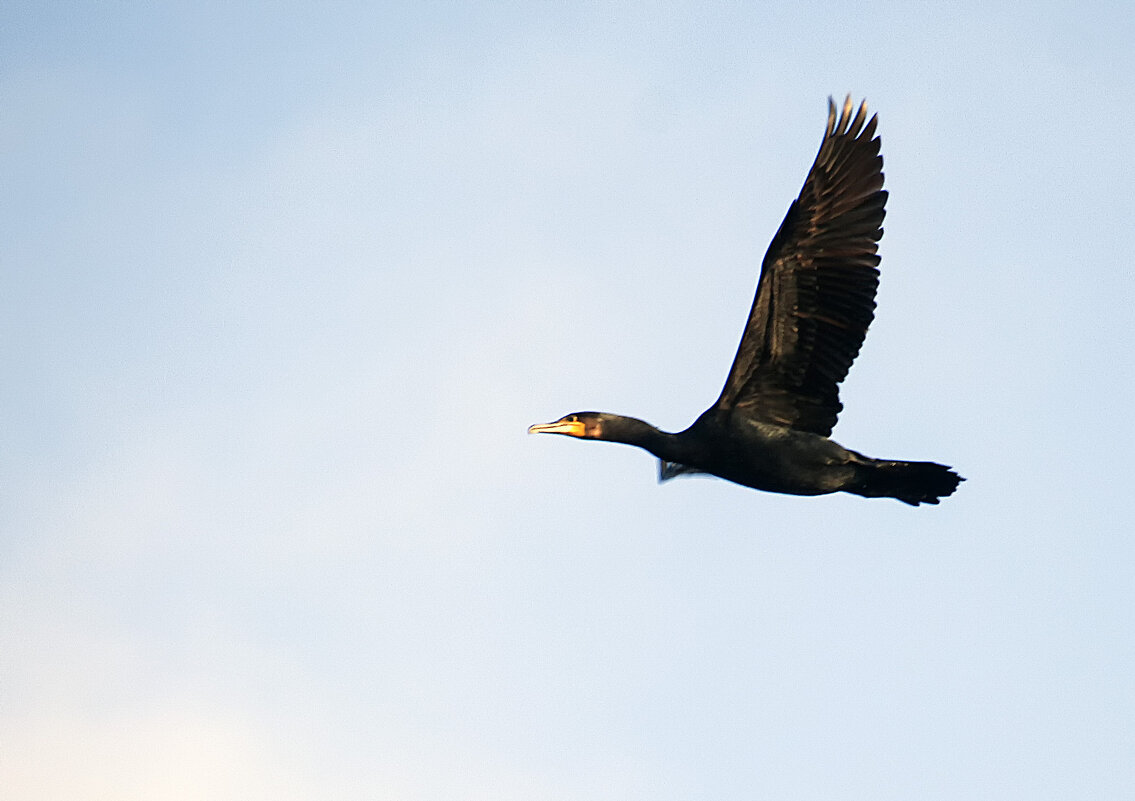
<point>816,295</point>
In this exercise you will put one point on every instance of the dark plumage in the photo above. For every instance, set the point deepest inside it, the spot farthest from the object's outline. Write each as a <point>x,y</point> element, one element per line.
<point>815,299</point>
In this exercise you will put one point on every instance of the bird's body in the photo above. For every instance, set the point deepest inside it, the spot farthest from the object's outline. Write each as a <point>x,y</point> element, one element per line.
<point>770,427</point>
<point>773,458</point>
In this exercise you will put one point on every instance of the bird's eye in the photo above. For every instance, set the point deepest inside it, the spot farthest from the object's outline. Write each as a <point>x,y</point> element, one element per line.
<point>573,419</point>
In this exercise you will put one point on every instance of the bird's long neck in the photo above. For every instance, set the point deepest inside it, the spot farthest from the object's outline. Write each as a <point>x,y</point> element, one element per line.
<point>664,445</point>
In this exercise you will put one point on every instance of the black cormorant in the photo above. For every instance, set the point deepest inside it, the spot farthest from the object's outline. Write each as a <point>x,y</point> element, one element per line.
<point>815,298</point>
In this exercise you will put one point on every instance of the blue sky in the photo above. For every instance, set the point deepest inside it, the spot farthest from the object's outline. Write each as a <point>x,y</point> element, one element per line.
<point>282,286</point>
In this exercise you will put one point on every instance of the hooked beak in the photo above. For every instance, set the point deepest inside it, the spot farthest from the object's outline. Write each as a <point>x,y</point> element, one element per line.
<point>572,428</point>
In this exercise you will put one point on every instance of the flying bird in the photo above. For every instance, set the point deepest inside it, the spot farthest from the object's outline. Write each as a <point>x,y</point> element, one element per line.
<point>770,428</point>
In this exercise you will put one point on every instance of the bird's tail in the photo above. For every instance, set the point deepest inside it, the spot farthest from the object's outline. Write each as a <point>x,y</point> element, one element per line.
<point>909,482</point>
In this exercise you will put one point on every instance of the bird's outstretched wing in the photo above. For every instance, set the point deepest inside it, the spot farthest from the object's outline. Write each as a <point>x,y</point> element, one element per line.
<point>816,294</point>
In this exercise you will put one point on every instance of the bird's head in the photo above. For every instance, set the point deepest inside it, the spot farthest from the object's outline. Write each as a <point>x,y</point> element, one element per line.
<point>586,425</point>
<point>601,425</point>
